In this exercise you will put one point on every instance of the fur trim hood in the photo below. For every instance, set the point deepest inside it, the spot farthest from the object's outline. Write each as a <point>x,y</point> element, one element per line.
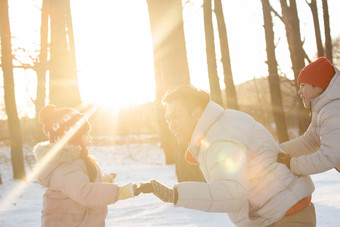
<point>67,154</point>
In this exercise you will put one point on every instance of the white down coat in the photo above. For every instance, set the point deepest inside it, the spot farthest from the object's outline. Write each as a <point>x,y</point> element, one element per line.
<point>237,157</point>
<point>318,150</point>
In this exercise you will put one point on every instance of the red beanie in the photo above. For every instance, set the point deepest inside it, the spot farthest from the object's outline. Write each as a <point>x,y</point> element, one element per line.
<point>318,73</point>
<point>56,123</point>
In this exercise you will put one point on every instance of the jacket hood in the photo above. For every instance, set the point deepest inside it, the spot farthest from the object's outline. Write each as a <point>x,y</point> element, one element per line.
<point>46,165</point>
<point>330,94</point>
<point>210,115</point>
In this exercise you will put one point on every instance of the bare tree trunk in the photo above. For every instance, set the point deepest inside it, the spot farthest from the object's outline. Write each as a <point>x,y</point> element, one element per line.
<point>231,95</point>
<point>71,45</point>
<point>17,156</point>
<point>328,39</point>
<point>215,89</point>
<point>171,70</point>
<point>297,53</point>
<point>314,9</point>
<point>42,67</point>
<point>64,90</point>
<point>274,80</point>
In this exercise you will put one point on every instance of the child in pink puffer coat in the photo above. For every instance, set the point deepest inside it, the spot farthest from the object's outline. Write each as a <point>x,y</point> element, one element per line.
<point>76,193</point>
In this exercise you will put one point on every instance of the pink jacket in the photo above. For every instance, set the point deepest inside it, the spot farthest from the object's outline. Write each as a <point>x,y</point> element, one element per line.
<point>71,199</point>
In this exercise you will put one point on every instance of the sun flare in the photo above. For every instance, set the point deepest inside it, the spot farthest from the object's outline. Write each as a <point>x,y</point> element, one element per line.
<point>116,93</point>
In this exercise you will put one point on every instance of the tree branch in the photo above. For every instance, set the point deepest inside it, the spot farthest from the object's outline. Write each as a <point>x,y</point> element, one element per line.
<point>275,12</point>
<point>306,56</point>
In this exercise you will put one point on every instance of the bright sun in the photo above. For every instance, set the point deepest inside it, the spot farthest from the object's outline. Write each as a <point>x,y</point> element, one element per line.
<point>116,93</point>
<point>115,60</point>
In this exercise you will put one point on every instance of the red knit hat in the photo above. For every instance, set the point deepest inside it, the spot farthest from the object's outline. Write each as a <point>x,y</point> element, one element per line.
<point>318,73</point>
<point>57,122</point>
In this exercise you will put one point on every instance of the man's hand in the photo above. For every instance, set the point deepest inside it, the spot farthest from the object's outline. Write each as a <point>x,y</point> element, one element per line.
<point>284,158</point>
<point>158,189</point>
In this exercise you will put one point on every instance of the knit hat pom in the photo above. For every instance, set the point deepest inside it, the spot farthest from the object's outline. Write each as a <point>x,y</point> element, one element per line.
<point>47,114</point>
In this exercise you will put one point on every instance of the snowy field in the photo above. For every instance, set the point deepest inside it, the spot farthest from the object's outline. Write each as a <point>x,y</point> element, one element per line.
<point>142,162</point>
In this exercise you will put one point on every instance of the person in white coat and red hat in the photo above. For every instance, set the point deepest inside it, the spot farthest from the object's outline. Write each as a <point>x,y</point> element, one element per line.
<point>237,157</point>
<point>318,149</point>
<point>76,193</point>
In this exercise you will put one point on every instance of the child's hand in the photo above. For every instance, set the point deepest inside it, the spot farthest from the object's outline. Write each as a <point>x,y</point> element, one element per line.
<point>109,177</point>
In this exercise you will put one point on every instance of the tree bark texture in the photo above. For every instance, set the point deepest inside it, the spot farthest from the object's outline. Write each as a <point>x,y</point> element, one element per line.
<point>215,89</point>
<point>63,81</point>
<point>171,70</point>
<point>297,53</point>
<point>231,95</point>
<point>42,68</point>
<point>314,9</point>
<point>274,80</point>
<point>14,128</point>
<point>328,39</point>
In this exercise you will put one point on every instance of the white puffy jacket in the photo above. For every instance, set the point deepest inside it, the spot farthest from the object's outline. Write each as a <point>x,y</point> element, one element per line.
<point>318,150</point>
<point>237,156</point>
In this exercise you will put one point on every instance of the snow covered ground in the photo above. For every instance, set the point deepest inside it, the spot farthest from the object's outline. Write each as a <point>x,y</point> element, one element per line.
<point>142,162</point>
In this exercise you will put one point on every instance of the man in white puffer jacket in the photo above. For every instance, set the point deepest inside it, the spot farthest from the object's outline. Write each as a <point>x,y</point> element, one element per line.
<point>237,157</point>
<point>318,149</point>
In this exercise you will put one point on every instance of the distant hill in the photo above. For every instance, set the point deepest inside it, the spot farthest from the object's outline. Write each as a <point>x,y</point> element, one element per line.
<point>254,99</point>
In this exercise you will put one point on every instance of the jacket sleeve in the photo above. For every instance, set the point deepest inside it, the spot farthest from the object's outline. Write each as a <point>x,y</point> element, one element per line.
<point>328,156</point>
<point>75,183</point>
<point>227,190</point>
<point>301,145</point>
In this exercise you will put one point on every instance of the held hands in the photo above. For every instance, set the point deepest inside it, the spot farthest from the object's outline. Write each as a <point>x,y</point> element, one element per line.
<point>284,158</point>
<point>158,189</point>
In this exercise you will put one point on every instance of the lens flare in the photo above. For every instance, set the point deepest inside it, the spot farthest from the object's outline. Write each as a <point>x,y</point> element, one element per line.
<point>21,186</point>
<point>205,143</point>
<point>200,141</point>
<point>233,156</point>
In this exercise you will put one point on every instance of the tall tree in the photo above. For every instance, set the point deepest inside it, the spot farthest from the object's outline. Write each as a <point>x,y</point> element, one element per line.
<point>9,94</point>
<point>42,67</point>
<point>328,39</point>
<point>215,89</point>
<point>63,81</point>
<point>297,54</point>
<point>231,95</point>
<point>274,80</point>
<point>171,70</point>
<point>314,9</point>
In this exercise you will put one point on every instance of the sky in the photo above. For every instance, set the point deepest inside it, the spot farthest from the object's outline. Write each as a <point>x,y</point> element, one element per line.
<point>114,46</point>
<point>130,164</point>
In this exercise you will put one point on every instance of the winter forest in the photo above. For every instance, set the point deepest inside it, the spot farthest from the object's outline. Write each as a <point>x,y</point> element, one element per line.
<point>115,60</point>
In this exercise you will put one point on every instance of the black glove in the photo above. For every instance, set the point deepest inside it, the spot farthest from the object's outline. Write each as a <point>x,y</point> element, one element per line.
<point>284,158</point>
<point>158,189</point>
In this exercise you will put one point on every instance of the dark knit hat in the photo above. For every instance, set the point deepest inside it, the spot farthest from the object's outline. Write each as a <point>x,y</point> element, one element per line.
<point>318,73</point>
<point>57,122</point>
